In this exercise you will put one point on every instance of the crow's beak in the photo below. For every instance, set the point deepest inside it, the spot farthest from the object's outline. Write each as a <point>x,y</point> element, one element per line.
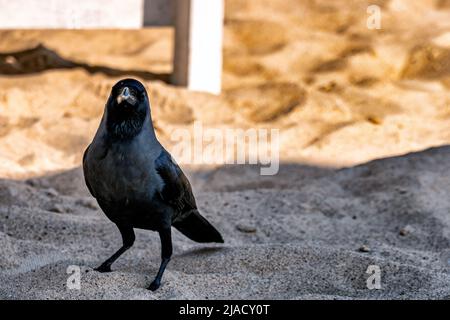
<point>126,95</point>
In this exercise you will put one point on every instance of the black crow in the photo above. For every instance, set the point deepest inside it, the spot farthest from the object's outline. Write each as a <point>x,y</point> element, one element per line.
<point>135,180</point>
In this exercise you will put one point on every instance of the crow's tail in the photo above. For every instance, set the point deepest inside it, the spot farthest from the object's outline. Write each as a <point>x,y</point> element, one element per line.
<point>194,226</point>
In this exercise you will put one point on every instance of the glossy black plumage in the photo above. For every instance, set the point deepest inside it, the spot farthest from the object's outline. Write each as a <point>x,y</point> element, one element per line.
<point>135,180</point>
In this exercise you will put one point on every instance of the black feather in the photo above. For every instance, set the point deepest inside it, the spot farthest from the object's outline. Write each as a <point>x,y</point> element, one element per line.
<point>177,192</point>
<point>177,189</point>
<point>194,226</point>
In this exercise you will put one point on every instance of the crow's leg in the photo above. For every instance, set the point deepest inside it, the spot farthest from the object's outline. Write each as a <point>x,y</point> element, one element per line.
<point>166,252</point>
<point>128,240</point>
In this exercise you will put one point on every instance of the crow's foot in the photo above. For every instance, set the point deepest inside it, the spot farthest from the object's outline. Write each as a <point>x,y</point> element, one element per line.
<point>103,268</point>
<point>154,285</point>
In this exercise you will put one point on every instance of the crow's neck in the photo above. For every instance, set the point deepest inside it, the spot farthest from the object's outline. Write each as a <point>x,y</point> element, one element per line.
<point>125,126</point>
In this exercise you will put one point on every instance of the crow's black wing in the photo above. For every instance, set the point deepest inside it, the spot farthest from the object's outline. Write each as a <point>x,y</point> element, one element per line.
<point>177,193</point>
<point>177,190</point>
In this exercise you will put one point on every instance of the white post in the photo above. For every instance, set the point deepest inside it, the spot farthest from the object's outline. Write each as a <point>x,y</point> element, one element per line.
<point>198,44</point>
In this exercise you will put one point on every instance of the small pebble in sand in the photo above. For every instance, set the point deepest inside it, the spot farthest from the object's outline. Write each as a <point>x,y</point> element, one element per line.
<point>31,182</point>
<point>87,203</point>
<point>405,231</point>
<point>51,192</point>
<point>374,120</point>
<point>57,208</point>
<point>245,228</point>
<point>364,248</point>
<point>38,183</point>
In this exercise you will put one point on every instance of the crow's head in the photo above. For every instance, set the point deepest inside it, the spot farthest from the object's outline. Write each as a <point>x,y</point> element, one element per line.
<point>127,108</point>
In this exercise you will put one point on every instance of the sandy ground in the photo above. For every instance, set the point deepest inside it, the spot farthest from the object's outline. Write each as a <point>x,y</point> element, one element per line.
<point>295,236</point>
<point>341,95</point>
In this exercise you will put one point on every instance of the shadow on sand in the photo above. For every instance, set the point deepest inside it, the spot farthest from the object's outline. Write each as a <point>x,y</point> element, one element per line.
<point>40,59</point>
<point>308,224</point>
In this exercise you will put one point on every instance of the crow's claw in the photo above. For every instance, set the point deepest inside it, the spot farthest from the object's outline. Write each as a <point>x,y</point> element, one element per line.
<point>103,268</point>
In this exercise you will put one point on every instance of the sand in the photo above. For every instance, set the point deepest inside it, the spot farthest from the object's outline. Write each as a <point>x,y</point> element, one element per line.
<point>296,237</point>
<point>340,94</point>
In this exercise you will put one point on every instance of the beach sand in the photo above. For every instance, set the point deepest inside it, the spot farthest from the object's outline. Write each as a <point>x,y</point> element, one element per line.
<point>341,96</point>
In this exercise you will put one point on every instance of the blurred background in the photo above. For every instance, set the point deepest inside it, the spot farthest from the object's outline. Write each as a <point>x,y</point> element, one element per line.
<point>341,94</point>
